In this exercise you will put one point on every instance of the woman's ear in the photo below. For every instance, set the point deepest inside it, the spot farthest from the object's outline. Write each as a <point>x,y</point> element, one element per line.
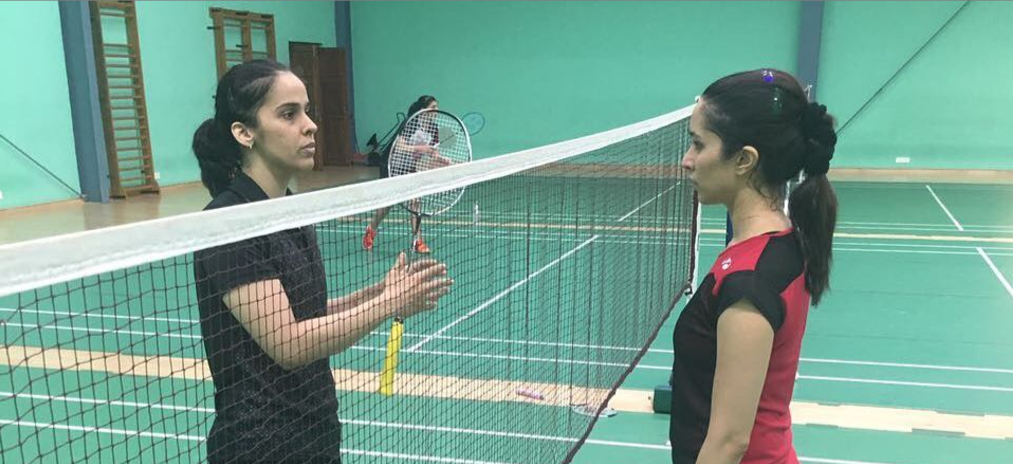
<point>243,134</point>
<point>746,160</point>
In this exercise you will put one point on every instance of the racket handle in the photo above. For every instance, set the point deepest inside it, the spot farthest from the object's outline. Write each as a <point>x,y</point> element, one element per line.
<point>533,394</point>
<point>390,362</point>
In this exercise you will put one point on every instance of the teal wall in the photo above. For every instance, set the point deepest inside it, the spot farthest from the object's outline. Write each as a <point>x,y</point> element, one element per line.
<point>34,106</point>
<point>544,72</point>
<point>547,71</point>
<point>177,51</point>
<point>949,109</point>
<point>177,54</point>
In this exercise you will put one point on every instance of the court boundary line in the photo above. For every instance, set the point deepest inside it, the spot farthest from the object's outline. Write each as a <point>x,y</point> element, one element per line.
<point>938,238</point>
<point>945,209</point>
<point>902,383</point>
<point>196,369</point>
<point>501,294</point>
<point>718,221</point>
<point>184,437</point>
<point>995,270</point>
<point>427,458</point>
<point>631,213</point>
<point>659,240</point>
<point>539,271</point>
<point>911,237</point>
<point>481,340</point>
<point>93,429</point>
<point>805,413</point>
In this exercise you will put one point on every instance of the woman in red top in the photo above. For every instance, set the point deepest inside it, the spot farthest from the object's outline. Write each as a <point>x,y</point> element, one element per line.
<point>737,342</point>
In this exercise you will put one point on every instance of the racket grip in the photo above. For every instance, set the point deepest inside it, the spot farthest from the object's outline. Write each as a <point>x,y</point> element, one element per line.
<point>390,361</point>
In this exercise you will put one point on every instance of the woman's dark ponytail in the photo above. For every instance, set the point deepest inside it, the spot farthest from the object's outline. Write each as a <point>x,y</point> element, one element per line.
<point>812,205</point>
<point>218,156</point>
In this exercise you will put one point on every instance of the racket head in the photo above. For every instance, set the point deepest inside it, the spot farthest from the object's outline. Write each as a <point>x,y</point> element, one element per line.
<point>473,122</point>
<point>443,133</point>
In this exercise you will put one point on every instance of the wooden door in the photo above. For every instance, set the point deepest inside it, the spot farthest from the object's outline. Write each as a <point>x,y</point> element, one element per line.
<point>304,62</point>
<point>334,91</point>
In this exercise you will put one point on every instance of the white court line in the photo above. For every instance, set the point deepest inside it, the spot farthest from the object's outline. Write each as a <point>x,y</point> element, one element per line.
<point>605,443</point>
<point>102,331</point>
<point>523,342</point>
<point>71,315</point>
<point>500,295</point>
<point>945,209</point>
<point>941,186</point>
<point>494,341</point>
<point>908,365</point>
<point>526,279</point>
<point>402,426</point>
<point>106,430</point>
<point>991,188</point>
<point>374,334</point>
<point>403,456</point>
<point>943,228</point>
<point>917,245</point>
<point>136,433</point>
<point>126,404</point>
<point>946,228</point>
<point>716,221</point>
<point>626,444</point>
<point>456,354</point>
<point>564,215</point>
<point>394,425</point>
<point>486,214</point>
<point>631,213</point>
<point>872,245</point>
<point>834,461</point>
<point>922,252</point>
<point>877,250</point>
<point>522,236</point>
<point>607,364</point>
<point>668,368</point>
<point>907,384</point>
<point>641,238</point>
<point>896,383</point>
<point>991,370</point>
<point>415,457</point>
<point>995,270</point>
<point>713,243</point>
<point>668,448</point>
<point>937,367</point>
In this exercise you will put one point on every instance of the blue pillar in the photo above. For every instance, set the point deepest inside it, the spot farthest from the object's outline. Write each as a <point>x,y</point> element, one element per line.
<point>343,35</point>
<point>810,39</point>
<point>89,135</point>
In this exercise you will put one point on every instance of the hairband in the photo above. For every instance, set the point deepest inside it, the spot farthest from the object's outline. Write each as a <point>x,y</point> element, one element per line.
<point>768,77</point>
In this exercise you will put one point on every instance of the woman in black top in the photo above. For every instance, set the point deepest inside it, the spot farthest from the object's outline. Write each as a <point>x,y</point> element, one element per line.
<point>267,323</point>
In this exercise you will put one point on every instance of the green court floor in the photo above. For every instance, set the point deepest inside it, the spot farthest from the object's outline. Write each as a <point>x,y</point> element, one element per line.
<point>918,319</point>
